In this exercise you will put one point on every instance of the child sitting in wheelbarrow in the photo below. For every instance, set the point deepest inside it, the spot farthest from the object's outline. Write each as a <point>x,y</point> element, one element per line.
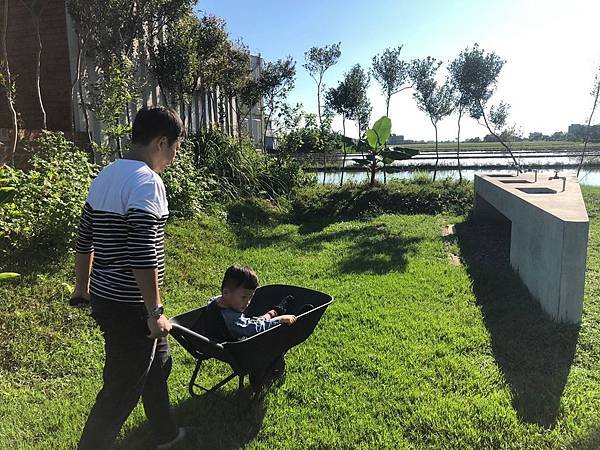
<point>225,319</point>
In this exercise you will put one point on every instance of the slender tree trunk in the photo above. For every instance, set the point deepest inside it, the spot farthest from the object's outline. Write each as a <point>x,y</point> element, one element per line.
<point>250,121</point>
<point>265,130</point>
<point>203,108</point>
<point>38,66</point>
<point>86,116</point>
<point>81,42</point>
<point>319,100</point>
<point>344,146</point>
<point>437,154</point>
<point>587,130</point>
<point>387,105</point>
<point>231,113</point>
<point>9,86</point>
<point>215,105</point>
<point>458,147</point>
<point>128,114</point>
<point>238,119</point>
<point>181,105</point>
<point>498,137</point>
<point>163,94</point>
<point>118,140</point>
<point>373,172</point>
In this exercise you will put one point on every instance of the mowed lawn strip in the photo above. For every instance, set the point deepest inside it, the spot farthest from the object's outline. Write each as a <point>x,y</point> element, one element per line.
<point>408,355</point>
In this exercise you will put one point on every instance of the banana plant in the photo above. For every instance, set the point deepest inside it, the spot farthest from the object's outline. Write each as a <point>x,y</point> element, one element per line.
<point>6,195</point>
<point>379,155</point>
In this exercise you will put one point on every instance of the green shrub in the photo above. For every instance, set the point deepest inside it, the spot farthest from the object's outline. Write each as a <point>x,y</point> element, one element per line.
<point>241,170</point>
<point>46,206</point>
<point>402,197</point>
<point>190,190</point>
<point>256,211</point>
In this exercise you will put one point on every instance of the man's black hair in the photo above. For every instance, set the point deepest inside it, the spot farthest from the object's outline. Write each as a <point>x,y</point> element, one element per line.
<point>156,121</point>
<point>239,276</point>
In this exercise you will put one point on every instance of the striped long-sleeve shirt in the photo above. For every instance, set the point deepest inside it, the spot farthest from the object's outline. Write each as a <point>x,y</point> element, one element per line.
<point>123,223</point>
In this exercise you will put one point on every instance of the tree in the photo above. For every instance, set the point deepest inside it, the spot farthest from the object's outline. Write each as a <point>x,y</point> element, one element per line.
<point>7,83</point>
<point>350,100</point>
<point>357,81</point>
<point>112,33</point>
<point>35,8</point>
<point>175,62</point>
<point>276,81</point>
<point>337,101</point>
<point>237,81</point>
<point>212,45</point>
<point>478,74</point>
<point>391,72</point>
<point>248,94</point>
<point>318,60</point>
<point>436,101</point>
<point>458,76</point>
<point>379,155</point>
<point>113,89</point>
<point>595,93</point>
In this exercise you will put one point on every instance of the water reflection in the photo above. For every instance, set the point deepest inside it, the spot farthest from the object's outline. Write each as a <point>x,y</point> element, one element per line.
<point>590,177</point>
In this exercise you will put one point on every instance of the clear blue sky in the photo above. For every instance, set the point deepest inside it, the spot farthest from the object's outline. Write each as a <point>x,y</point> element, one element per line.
<point>551,48</point>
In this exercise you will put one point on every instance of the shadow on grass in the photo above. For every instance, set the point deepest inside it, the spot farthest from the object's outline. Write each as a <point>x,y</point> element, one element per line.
<point>370,249</point>
<point>35,259</point>
<point>256,236</point>
<point>533,352</point>
<point>222,420</point>
<point>590,441</point>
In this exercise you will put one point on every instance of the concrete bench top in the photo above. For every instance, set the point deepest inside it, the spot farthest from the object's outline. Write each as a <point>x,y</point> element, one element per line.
<point>546,194</point>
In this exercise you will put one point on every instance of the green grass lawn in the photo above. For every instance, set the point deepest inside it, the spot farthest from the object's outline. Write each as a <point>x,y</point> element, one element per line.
<point>414,352</point>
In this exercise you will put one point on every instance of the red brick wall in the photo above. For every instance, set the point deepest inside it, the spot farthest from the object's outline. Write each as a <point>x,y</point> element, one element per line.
<point>55,68</point>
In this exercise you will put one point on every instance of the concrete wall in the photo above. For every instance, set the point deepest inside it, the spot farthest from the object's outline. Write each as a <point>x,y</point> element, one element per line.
<point>549,236</point>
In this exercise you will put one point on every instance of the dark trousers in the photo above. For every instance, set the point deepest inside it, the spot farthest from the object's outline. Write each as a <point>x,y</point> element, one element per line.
<point>134,366</point>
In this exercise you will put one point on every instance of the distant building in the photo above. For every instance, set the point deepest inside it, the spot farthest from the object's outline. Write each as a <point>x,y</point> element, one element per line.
<point>396,139</point>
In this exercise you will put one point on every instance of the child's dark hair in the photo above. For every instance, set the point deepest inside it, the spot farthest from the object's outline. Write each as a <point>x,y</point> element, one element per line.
<point>156,121</point>
<point>239,276</point>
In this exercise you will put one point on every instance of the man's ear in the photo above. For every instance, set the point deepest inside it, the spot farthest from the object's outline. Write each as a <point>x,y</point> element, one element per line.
<point>225,292</point>
<point>163,142</point>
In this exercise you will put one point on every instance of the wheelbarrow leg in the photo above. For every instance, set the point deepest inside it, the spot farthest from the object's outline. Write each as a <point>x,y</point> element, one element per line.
<point>241,383</point>
<point>193,379</point>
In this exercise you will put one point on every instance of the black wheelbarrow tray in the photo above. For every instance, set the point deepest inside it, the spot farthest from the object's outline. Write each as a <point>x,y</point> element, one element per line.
<point>253,354</point>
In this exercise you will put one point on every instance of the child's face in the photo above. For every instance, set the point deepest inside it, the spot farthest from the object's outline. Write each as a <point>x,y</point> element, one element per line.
<point>237,299</point>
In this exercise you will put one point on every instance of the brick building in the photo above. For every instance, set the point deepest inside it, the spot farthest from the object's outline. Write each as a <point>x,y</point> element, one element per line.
<point>58,70</point>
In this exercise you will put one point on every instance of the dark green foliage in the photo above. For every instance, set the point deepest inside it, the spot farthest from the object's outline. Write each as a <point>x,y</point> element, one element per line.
<point>250,211</point>
<point>242,171</point>
<point>401,197</point>
<point>391,72</point>
<point>303,134</point>
<point>190,190</point>
<point>318,60</point>
<point>45,209</point>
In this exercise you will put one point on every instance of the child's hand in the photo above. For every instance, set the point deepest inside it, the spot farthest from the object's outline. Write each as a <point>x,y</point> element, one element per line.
<point>288,319</point>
